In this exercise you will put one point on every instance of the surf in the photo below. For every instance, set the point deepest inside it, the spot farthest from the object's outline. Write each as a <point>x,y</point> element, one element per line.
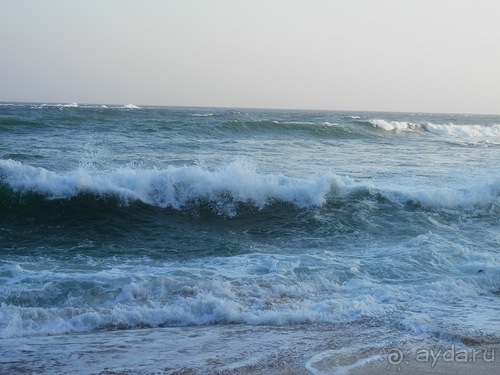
<point>226,187</point>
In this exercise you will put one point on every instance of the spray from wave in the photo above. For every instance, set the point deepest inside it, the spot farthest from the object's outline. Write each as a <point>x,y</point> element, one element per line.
<point>131,106</point>
<point>234,184</point>
<point>397,126</point>
<point>469,131</point>
<point>173,187</point>
<point>455,130</point>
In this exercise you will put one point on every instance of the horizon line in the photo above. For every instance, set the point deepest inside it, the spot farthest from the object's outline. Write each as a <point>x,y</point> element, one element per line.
<point>62,103</point>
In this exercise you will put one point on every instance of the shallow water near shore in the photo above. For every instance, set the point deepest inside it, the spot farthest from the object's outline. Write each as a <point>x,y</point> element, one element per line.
<point>242,349</point>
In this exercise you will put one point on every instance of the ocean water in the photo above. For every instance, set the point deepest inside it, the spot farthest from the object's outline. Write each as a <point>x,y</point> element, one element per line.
<point>222,240</point>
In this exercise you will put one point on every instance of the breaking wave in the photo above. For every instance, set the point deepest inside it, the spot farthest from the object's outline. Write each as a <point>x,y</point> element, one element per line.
<point>225,189</point>
<point>455,130</point>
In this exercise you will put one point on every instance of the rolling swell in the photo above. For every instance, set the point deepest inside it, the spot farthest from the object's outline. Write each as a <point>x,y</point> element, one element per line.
<point>236,128</point>
<point>323,129</point>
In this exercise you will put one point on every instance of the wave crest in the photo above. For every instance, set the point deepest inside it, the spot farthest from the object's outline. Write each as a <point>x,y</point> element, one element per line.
<point>397,126</point>
<point>173,187</point>
<point>469,131</point>
<point>226,189</point>
<point>455,130</point>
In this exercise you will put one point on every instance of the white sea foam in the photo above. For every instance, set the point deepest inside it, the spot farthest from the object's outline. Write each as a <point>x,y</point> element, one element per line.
<point>481,195</point>
<point>203,115</point>
<point>466,131</point>
<point>131,106</point>
<point>460,131</point>
<point>67,105</point>
<point>397,126</point>
<point>250,289</point>
<point>327,363</point>
<point>236,182</point>
<point>174,187</point>
<point>260,288</point>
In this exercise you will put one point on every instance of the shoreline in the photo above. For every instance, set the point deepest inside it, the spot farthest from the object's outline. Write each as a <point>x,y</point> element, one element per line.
<point>457,360</point>
<point>242,349</point>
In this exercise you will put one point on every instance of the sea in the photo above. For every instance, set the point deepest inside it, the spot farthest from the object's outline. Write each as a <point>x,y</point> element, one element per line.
<point>177,240</point>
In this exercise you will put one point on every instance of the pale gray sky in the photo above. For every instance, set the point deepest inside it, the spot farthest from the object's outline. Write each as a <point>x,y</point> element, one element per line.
<point>390,55</point>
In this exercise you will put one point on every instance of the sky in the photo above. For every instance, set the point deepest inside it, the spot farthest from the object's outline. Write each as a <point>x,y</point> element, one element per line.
<point>366,55</point>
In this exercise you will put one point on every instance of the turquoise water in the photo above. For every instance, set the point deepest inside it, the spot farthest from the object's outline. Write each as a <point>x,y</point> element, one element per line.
<point>120,218</point>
